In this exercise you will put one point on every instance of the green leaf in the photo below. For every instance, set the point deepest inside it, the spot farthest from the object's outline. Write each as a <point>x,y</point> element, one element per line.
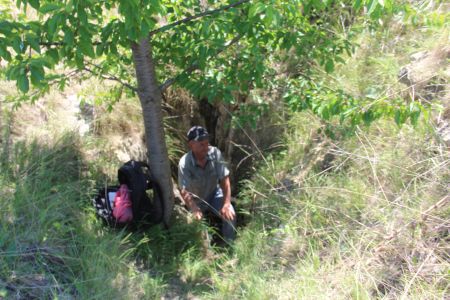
<point>132,34</point>
<point>106,32</point>
<point>355,119</point>
<point>79,59</point>
<point>53,54</point>
<point>145,29</point>
<point>414,117</point>
<point>22,83</point>
<point>426,114</point>
<point>33,41</point>
<point>156,7</point>
<point>368,117</point>
<point>99,49</point>
<point>388,4</point>
<point>372,6</point>
<point>414,112</point>
<point>357,4</point>
<point>37,74</point>
<point>34,3</point>
<point>17,45</point>
<point>82,16</point>
<point>329,66</point>
<point>51,26</point>
<point>317,4</point>
<point>5,53</point>
<point>12,73</point>
<point>269,16</point>
<point>86,48</point>
<point>399,117</point>
<point>335,107</point>
<point>325,113</point>
<point>113,48</point>
<point>68,37</point>
<point>256,9</point>
<point>5,27</point>
<point>339,59</point>
<point>69,7</point>
<point>49,7</point>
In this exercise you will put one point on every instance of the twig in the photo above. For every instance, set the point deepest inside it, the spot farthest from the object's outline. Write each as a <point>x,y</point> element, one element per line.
<point>191,18</point>
<point>112,78</point>
<point>195,65</point>
<point>168,26</point>
<point>374,171</point>
<point>390,237</point>
<point>438,204</point>
<point>408,286</point>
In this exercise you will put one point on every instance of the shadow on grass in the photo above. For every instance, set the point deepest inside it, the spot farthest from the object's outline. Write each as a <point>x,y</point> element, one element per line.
<point>39,221</point>
<point>52,245</point>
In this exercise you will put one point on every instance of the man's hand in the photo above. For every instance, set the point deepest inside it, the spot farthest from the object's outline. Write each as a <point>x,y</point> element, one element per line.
<point>187,197</point>
<point>227,212</point>
<point>197,213</point>
<point>195,210</point>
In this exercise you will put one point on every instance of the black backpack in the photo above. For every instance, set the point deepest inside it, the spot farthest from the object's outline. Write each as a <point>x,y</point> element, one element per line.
<point>147,210</point>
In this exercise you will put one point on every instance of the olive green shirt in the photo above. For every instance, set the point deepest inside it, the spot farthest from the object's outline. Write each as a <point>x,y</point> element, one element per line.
<point>202,182</point>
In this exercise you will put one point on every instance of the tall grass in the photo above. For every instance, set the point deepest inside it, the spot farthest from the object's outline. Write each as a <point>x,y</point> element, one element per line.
<point>51,245</point>
<point>358,217</point>
<point>373,225</point>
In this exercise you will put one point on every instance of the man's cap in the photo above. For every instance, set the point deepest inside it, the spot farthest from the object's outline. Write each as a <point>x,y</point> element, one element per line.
<point>197,133</point>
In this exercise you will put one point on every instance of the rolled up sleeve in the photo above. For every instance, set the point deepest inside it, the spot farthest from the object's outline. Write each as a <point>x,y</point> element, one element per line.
<point>222,170</point>
<point>183,180</point>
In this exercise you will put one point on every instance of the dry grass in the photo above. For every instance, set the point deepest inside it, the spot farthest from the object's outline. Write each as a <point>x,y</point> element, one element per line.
<point>372,224</point>
<point>356,218</point>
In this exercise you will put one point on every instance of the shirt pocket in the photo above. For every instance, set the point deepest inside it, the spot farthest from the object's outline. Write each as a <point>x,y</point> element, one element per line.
<point>196,185</point>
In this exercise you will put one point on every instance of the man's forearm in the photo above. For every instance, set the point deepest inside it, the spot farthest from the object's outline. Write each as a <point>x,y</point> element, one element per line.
<point>188,200</point>
<point>227,210</point>
<point>190,203</point>
<point>225,185</point>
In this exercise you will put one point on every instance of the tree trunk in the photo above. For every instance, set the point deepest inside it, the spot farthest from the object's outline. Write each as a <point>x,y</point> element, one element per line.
<point>151,99</point>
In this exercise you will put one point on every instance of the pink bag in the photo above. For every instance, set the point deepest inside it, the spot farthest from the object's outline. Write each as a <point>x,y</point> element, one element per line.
<point>122,205</point>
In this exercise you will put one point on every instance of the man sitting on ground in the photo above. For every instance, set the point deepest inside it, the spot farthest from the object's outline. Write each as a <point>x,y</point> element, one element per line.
<point>205,183</point>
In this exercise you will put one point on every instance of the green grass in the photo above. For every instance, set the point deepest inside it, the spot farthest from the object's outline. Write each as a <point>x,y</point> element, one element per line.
<point>363,225</point>
<point>354,231</point>
<point>48,237</point>
<point>53,246</point>
<point>350,232</point>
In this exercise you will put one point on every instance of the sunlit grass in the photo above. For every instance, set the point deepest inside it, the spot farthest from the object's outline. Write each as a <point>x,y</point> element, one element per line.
<point>368,221</point>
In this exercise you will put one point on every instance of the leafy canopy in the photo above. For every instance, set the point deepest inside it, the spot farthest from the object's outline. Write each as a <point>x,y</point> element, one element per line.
<point>216,50</point>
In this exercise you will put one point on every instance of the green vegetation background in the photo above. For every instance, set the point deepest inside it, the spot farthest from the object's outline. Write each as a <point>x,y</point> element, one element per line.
<point>370,220</point>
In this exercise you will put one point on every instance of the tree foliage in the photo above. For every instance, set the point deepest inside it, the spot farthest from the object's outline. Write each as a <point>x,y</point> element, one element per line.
<point>217,49</point>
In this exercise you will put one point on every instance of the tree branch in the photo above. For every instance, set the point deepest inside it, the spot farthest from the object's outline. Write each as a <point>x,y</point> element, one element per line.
<point>168,26</point>
<point>203,14</point>
<point>109,77</point>
<point>195,66</point>
<point>50,44</point>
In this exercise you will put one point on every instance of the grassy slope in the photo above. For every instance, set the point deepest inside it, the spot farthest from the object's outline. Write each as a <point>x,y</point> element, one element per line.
<point>364,228</point>
<point>367,227</point>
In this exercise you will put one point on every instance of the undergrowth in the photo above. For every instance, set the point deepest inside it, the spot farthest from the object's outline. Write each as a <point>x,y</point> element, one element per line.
<point>359,216</point>
<point>373,224</point>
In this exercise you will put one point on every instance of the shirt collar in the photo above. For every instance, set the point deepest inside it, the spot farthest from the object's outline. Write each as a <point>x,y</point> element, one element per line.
<point>208,157</point>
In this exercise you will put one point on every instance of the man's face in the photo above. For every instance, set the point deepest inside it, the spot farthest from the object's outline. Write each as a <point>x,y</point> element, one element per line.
<point>199,148</point>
